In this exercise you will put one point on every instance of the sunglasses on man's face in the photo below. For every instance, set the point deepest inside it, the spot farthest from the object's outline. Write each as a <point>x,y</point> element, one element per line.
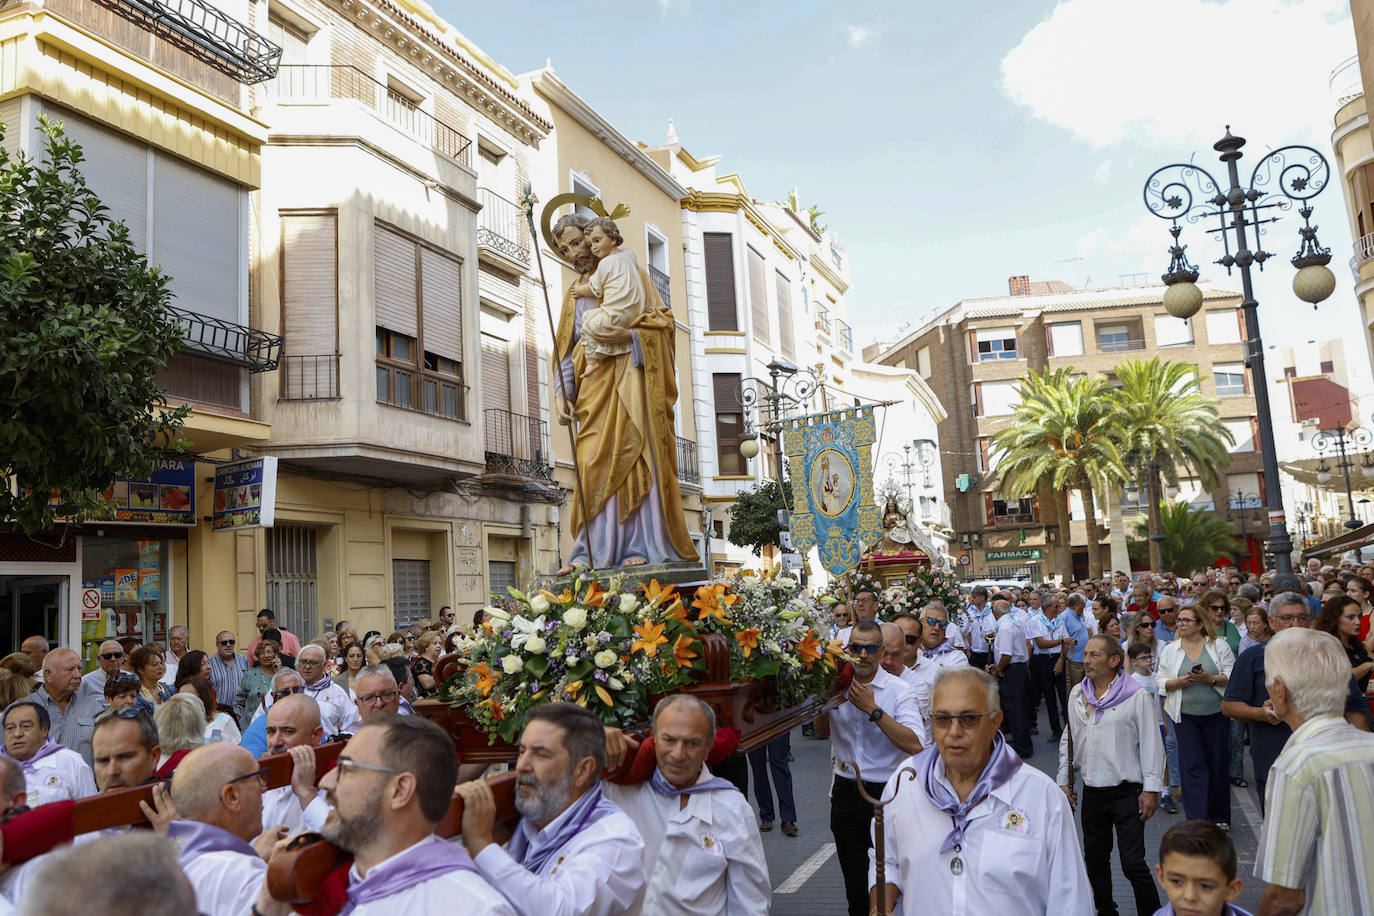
<point>226,642</point>
<point>858,648</point>
<point>937,622</point>
<point>287,691</point>
<point>111,656</point>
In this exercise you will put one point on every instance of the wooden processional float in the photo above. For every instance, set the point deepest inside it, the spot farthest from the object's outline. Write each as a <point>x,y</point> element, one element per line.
<point>312,874</point>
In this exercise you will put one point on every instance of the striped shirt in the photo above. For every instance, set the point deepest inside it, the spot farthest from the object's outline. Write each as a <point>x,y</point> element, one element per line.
<point>225,677</point>
<point>1320,805</point>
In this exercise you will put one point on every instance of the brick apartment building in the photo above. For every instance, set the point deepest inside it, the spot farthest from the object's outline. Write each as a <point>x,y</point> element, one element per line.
<point>972,356</point>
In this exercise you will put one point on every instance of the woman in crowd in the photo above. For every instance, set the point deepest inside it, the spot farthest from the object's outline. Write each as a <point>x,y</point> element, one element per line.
<point>346,638</point>
<point>180,725</point>
<point>1192,675</point>
<point>219,725</point>
<point>1103,606</point>
<point>150,665</point>
<point>354,659</point>
<point>193,664</point>
<point>13,687</point>
<point>1257,629</point>
<point>429,646</point>
<point>1360,589</point>
<point>257,680</point>
<point>1143,631</point>
<point>20,665</point>
<point>1341,618</point>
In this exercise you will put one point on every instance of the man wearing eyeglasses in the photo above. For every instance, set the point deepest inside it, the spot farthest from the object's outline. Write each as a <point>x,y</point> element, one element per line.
<point>1247,698</point>
<point>976,831</point>
<point>939,637</point>
<point>110,657</point>
<point>51,771</point>
<point>876,729</point>
<point>227,668</point>
<point>217,793</point>
<point>896,635</point>
<point>338,714</point>
<point>284,683</point>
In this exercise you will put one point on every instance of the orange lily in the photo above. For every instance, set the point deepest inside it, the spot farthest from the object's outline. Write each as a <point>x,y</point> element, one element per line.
<point>710,600</point>
<point>566,597</point>
<point>650,638</point>
<point>748,640</point>
<point>596,595</point>
<point>677,609</point>
<point>656,594</point>
<point>486,678</point>
<point>682,651</point>
<point>809,649</point>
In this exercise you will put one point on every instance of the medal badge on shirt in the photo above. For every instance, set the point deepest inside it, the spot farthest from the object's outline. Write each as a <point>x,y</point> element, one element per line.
<point>710,844</point>
<point>1016,821</point>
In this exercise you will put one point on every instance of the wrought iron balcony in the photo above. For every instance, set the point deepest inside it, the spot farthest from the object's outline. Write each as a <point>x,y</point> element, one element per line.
<point>687,461</point>
<point>500,227</point>
<point>661,284</point>
<point>823,319</point>
<point>517,444</point>
<point>346,82</point>
<point>257,351</point>
<point>1346,82</point>
<point>844,336</point>
<point>201,28</point>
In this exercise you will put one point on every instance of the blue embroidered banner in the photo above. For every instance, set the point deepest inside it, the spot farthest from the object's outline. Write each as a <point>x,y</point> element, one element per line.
<point>830,459</point>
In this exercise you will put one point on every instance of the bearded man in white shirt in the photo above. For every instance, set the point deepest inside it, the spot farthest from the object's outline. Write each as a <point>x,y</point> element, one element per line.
<point>702,849</point>
<point>391,787</point>
<point>574,852</point>
<point>976,831</point>
<point>875,730</point>
<point>1118,750</point>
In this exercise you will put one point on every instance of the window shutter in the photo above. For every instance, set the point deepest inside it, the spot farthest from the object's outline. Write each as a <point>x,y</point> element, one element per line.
<point>441,280</point>
<point>722,310</point>
<point>758,297</point>
<point>196,237</point>
<point>394,281</point>
<point>495,374</point>
<point>973,346</point>
<point>785,330</point>
<point>987,505</point>
<point>309,284</point>
<point>115,168</point>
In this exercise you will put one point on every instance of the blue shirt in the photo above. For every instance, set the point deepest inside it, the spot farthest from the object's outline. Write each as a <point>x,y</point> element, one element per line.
<point>1162,633</point>
<point>255,736</point>
<point>1078,630</point>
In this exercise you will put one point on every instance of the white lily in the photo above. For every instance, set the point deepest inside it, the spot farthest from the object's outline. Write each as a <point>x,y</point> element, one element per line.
<point>525,629</point>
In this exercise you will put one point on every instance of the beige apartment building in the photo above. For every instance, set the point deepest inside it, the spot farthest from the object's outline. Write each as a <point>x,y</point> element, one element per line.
<point>972,356</point>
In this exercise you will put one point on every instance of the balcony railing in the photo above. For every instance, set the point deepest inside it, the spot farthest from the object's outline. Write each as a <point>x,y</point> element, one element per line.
<point>310,378</point>
<point>257,351</point>
<point>823,319</point>
<point>517,444</point>
<point>345,81</point>
<point>1120,346</point>
<point>1346,82</point>
<point>1364,249</point>
<point>687,461</point>
<point>661,284</point>
<point>836,257</point>
<point>844,336</point>
<point>500,227</point>
<point>232,45</point>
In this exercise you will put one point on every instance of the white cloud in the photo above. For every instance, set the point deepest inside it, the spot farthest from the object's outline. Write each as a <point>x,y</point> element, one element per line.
<point>674,7</point>
<point>858,35</point>
<point>1110,71</point>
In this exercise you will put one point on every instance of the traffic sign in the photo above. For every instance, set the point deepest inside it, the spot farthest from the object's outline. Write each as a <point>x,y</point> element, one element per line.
<point>965,559</point>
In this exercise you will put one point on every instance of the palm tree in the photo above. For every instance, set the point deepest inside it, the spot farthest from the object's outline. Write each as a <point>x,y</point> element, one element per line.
<point>1193,538</point>
<point>1166,424</point>
<point>1063,436</point>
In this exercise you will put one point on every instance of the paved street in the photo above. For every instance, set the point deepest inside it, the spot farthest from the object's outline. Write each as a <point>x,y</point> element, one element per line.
<point>806,875</point>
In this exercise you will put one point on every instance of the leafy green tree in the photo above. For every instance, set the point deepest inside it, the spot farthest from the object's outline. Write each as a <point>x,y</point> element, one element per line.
<point>84,334</point>
<point>1062,435</point>
<point>754,517</point>
<point>1168,425</point>
<point>1193,539</point>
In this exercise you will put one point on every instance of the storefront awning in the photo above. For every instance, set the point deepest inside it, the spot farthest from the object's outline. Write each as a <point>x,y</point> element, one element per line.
<point>1352,540</point>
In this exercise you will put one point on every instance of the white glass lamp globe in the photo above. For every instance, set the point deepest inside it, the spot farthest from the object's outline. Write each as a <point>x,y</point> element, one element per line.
<point>1314,283</point>
<point>1182,300</point>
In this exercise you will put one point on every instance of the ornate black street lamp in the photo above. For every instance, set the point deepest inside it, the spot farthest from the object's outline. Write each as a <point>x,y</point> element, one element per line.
<point>1333,442</point>
<point>1281,178</point>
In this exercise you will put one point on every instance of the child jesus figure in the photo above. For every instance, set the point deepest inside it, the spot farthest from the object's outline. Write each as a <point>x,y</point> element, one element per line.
<point>616,282</point>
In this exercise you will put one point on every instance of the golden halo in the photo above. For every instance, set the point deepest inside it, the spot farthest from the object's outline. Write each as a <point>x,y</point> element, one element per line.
<point>562,200</point>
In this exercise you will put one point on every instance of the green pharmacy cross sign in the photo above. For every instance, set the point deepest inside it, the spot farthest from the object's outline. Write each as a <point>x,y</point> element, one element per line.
<point>1032,553</point>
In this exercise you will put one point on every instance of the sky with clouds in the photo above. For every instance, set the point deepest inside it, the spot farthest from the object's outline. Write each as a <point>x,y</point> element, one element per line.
<point>954,145</point>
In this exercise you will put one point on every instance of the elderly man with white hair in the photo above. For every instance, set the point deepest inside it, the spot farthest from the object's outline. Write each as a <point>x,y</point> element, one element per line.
<point>71,713</point>
<point>338,714</point>
<point>974,830</point>
<point>110,657</point>
<point>1313,849</point>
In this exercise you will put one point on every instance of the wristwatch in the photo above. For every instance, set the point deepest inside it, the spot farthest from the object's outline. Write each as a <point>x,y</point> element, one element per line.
<point>875,715</point>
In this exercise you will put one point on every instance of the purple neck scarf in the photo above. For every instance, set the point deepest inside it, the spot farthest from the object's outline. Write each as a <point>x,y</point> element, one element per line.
<point>943,648</point>
<point>533,853</point>
<point>193,839</point>
<point>29,767</point>
<point>1001,766</point>
<point>427,859</point>
<point>1119,691</point>
<point>662,786</point>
